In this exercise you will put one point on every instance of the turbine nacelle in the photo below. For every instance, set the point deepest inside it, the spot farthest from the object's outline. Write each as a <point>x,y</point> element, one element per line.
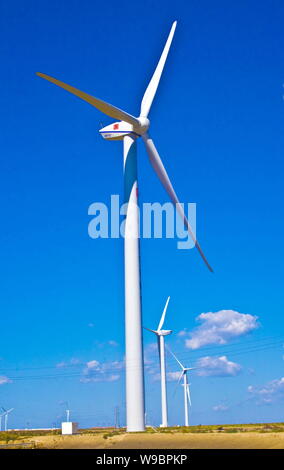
<point>164,332</point>
<point>118,130</point>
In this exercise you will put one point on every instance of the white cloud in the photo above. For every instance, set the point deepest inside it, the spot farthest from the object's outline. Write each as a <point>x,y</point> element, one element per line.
<point>101,372</point>
<point>101,378</point>
<point>103,344</point>
<point>4,380</point>
<point>213,366</point>
<point>183,332</point>
<point>95,371</point>
<point>220,408</point>
<point>92,364</point>
<point>113,377</point>
<point>269,393</point>
<point>61,364</point>
<point>172,376</point>
<point>72,362</point>
<point>219,328</point>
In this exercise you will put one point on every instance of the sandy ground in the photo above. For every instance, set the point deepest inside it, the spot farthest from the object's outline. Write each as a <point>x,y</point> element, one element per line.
<point>249,440</point>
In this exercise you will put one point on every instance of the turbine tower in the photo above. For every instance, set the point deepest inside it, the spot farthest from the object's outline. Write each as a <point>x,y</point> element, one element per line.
<point>128,129</point>
<point>186,385</point>
<point>161,347</point>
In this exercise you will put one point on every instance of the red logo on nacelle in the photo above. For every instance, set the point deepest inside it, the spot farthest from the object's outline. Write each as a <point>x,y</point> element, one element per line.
<point>115,126</point>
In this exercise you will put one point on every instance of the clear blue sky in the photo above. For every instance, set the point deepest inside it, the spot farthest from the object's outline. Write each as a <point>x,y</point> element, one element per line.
<point>217,121</point>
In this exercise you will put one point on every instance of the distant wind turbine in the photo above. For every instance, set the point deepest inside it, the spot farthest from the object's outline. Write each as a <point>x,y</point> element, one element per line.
<point>5,414</point>
<point>161,347</point>
<point>186,385</point>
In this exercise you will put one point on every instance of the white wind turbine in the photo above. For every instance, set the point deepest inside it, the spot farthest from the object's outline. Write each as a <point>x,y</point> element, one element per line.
<point>1,415</point>
<point>128,129</point>
<point>5,414</point>
<point>186,389</point>
<point>161,348</point>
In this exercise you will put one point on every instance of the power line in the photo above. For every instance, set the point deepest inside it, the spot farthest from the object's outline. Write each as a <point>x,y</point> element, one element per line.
<point>102,375</point>
<point>220,349</point>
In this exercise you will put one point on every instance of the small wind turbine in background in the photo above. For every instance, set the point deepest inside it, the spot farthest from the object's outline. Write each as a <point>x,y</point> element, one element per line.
<point>1,416</point>
<point>161,347</point>
<point>186,385</point>
<point>5,414</point>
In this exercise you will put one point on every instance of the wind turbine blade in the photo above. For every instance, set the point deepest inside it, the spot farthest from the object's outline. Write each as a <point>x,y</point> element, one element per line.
<point>180,377</point>
<point>176,359</point>
<point>106,108</point>
<point>152,331</point>
<point>178,382</point>
<point>154,82</point>
<point>163,315</point>
<point>188,394</point>
<point>163,177</point>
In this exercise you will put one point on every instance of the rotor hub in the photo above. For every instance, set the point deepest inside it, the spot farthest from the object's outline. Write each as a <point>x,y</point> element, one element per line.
<point>144,124</point>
